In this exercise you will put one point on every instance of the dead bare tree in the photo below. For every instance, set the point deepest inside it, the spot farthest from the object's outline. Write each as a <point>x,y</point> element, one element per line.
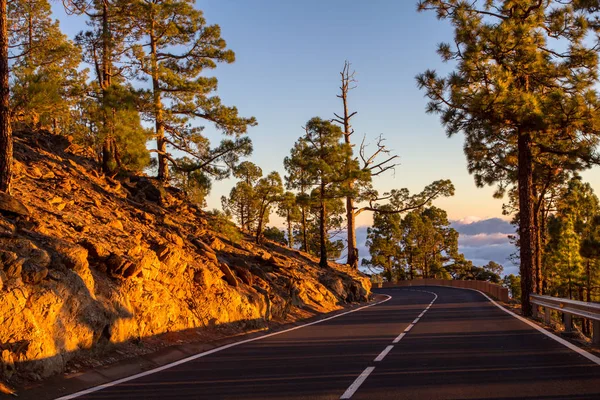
<point>371,167</point>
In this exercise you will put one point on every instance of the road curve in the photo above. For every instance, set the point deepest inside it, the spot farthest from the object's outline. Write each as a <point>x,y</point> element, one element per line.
<point>424,343</point>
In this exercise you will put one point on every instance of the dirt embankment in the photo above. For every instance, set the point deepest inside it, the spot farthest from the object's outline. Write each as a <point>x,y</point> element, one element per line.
<point>93,262</point>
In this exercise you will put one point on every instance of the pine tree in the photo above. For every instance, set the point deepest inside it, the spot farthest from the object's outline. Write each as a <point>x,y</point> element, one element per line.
<point>195,184</point>
<point>288,209</point>
<point>114,113</point>
<point>175,50</point>
<point>384,243</point>
<point>577,209</point>
<point>268,190</point>
<point>45,79</point>
<point>319,160</point>
<point>334,220</point>
<point>511,88</point>
<point>242,202</point>
<point>298,178</point>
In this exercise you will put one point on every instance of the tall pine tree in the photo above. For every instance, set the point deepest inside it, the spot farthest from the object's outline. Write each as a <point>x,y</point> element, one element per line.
<point>176,47</point>
<point>511,86</point>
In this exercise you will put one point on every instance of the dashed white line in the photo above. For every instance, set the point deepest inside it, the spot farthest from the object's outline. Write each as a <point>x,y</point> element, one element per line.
<point>362,377</point>
<point>400,336</point>
<point>357,382</point>
<point>384,353</point>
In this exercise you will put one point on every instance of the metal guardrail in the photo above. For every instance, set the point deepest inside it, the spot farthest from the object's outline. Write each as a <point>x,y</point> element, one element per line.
<point>569,308</point>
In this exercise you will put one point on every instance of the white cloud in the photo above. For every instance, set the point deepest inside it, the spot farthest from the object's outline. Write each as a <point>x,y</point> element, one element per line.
<point>483,239</point>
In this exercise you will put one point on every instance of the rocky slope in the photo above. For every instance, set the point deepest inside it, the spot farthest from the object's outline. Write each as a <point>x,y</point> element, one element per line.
<point>92,261</point>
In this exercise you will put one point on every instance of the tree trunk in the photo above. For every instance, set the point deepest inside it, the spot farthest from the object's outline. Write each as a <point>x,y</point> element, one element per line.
<point>347,79</point>
<point>537,284</point>
<point>527,233</point>
<point>351,230</point>
<point>588,294</point>
<point>290,232</point>
<point>542,245</point>
<point>108,158</point>
<point>161,142</point>
<point>259,227</point>
<point>304,238</point>
<point>323,229</point>
<point>6,142</point>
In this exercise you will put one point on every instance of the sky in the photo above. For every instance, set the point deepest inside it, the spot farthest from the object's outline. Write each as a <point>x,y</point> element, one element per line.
<point>288,58</point>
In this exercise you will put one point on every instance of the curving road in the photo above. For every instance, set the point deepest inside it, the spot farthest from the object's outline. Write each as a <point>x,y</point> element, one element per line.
<point>423,343</point>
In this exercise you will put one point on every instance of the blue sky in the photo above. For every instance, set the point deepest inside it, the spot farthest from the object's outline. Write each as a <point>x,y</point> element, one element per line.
<point>289,54</point>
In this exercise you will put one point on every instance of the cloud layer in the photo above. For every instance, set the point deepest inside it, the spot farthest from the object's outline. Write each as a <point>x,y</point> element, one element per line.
<point>481,241</point>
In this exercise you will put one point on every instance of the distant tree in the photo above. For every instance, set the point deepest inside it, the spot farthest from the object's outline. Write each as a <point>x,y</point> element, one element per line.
<point>334,221</point>
<point>242,202</point>
<point>195,184</point>
<point>516,95</point>
<point>275,234</point>
<point>288,209</point>
<point>384,243</point>
<point>268,190</point>
<point>247,172</point>
<point>176,47</point>
<point>494,268</point>
<point>298,178</point>
<point>513,284</point>
<point>420,244</point>
<point>577,208</point>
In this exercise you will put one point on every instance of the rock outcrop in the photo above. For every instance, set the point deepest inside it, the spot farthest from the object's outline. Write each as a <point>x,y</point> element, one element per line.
<point>88,262</point>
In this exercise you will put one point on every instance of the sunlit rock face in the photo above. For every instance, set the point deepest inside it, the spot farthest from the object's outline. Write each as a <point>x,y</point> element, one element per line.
<point>87,261</point>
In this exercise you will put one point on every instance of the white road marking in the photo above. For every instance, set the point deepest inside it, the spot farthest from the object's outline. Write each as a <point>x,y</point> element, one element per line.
<point>400,336</point>
<point>578,350</point>
<point>362,377</point>
<point>357,382</point>
<point>206,353</point>
<point>384,353</point>
<point>562,341</point>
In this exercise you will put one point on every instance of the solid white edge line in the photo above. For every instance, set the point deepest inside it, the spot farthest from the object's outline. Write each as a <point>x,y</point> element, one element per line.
<point>400,336</point>
<point>535,326</point>
<point>357,382</point>
<point>384,353</point>
<point>408,328</point>
<point>206,353</point>
<point>416,320</point>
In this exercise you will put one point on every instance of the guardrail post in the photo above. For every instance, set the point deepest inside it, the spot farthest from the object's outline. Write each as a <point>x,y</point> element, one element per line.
<point>534,311</point>
<point>568,321</point>
<point>547,312</point>
<point>596,337</point>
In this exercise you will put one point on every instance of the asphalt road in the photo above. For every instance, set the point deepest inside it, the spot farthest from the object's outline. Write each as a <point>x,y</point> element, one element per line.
<point>462,347</point>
